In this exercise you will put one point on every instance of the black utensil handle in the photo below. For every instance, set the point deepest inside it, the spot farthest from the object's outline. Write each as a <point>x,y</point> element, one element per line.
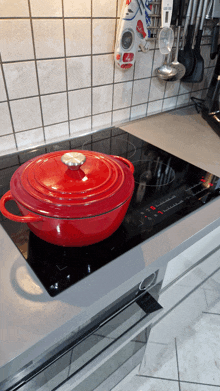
<point>181,11</point>
<point>175,12</point>
<point>214,43</point>
<point>198,40</point>
<point>190,35</point>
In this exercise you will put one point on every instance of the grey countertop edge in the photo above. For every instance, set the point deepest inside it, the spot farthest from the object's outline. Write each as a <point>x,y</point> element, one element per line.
<point>153,253</point>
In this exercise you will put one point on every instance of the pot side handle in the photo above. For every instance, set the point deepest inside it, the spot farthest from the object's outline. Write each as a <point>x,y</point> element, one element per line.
<point>125,161</point>
<point>20,219</point>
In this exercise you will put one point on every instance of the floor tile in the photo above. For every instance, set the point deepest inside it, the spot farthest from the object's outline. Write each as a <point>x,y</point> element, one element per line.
<point>123,385</point>
<point>213,300</point>
<point>212,292</point>
<point>199,351</point>
<point>197,387</point>
<point>140,383</point>
<point>160,361</point>
<point>175,322</point>
<point>213,283</point>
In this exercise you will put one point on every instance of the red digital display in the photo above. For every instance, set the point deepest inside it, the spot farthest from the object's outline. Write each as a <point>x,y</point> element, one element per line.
<point>152,207</point>
<point>203,180</point>
<point>160,212</point>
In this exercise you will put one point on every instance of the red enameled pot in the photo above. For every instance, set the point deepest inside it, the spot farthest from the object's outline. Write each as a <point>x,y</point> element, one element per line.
<point>72,198</point>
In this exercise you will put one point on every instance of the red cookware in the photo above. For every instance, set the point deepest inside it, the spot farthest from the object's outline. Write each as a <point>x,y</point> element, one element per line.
<point>71,198</point>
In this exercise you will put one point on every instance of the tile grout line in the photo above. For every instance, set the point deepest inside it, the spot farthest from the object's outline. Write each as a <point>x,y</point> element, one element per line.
<point>75,119</point>
<point>210,313</point>
<point>65,61</point>
<point>8,103</point>
<point>76,56</point>
<point>174,380</point>
<point>158,378</point>
<point>151,75</point>
<point>148,97</point>
<point>57,18</point>
<point>132,92</point>
<point>114,67</point>
<point>177,363</point>
<point>91,55</point>
<point>96,86</point>
<point>36,70</point>
<point>204,290</point>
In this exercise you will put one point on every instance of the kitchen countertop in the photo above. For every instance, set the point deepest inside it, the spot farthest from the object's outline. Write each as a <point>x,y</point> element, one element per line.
<point>183,133</point>
<point>32,322</point>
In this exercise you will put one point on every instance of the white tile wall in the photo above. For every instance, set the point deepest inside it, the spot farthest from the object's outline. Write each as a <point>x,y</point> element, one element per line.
<point>183,100</point>
<point>156,89</point>
<point>104,8</point>
<point>54,108</point>
<point>3,95</point>
<point>7,143</point>
<point>77,36</point>
<point>102,99</point>
<point>35,135</point>
<point>56,131</point>
<point>172,89</point>
<point>103,69</point>
<point>82,125</point>
<point>15,40</point>
<point>21,79</point>
<point>52,75</point>
<point>121,116</point>
<point>169,103</point>
<point>154,107</point>
<point>122,95</point>
<point>26,113</point>
<point>140,91</point>
<point>101,120</point>
<point>143,66</point>
<point>10,8</point>
<point>80,103</point>
<point>138,111</point>
<point>58,74</point>
<point>79,72</point>
<point>123,76</point>
<point>103,35</point>
<point>47,8</point>
<point>5,121</point>
<point>48,37</point>
<point>75,8</point>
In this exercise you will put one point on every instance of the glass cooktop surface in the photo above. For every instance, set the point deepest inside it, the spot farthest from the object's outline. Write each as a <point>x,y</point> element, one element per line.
<point>166,189</point>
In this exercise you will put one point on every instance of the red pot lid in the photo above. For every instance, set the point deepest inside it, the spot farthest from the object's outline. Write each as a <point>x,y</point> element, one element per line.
<point>72,184</point>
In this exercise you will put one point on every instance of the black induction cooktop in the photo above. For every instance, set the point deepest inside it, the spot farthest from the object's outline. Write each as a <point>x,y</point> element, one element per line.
<point>166,189</point>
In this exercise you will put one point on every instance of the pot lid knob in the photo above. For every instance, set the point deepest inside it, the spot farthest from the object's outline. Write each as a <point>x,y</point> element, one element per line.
<point>73,160</point>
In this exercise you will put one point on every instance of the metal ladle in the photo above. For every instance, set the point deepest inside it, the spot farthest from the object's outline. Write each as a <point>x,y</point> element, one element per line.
<point>166,38</point>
